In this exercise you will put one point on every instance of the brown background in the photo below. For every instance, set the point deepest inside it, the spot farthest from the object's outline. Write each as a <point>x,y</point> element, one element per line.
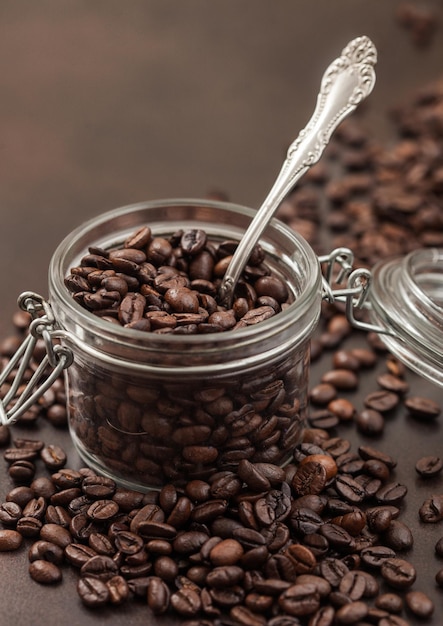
<point>104,103</point>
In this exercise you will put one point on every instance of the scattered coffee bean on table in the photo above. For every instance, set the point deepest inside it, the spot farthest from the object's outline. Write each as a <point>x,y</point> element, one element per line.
<point>318,542</point>
<point>260,545</point>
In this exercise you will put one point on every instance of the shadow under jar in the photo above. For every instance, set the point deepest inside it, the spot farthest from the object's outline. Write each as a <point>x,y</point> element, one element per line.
<point>149,408</point>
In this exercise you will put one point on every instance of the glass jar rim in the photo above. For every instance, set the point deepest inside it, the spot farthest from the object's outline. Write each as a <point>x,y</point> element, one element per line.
<point>72,246</point>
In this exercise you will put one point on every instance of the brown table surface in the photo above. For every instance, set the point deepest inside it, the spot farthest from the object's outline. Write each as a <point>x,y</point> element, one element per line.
<point>108,103</point>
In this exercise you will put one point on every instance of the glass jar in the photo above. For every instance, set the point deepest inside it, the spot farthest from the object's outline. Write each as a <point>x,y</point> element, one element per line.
<point>407,301</point>
<point>147,408</point>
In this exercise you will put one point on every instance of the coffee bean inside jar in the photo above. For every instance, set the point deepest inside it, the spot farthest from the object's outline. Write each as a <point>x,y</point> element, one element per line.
<point>166,384</point>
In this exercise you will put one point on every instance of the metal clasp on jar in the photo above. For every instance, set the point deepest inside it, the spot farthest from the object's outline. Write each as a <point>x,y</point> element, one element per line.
<point>18,399</point>
<point>338,268</point>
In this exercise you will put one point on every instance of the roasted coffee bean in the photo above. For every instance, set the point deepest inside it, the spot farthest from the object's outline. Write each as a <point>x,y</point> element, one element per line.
<point>77,554</point>
<point>29,444</point>
<point>46,551</point>
<point>93,592</point>
<point>65,496</point>
<point>79,505</point>
<point>10,540</point>
<point>226,552</point>
<point>225,485</point>
<point>57,515</point>
<point>168,495</point>
<point>128,543</point>
<point>209,511</point>
<point>186,601</point>
<point>422,408</point>
<point>346,359</point>
<point>324,419</point>
<point>342,379</point>
<point>323,393</point>
<point>326,460</point>
<point>337,537</point>
<point>370,422</point>
<point>190,541</point>
<point>367,452</point>
<point>352,612</point>
<point>276,536</point>
<point>198,490</point>
<point>349,489</point>
<point>379,518</point>
<point>302,557</point>
<point>305,521</point>
<point>429,466</point>
<point>398,573</point>
<point>20,495</point>
<point>333,570</point>
<point>374,556</point>
<point>309,478</point>
<point>13,455</point>
<point>342,408</point>
<point>29,527</point>
<point>225,576</point>
<point>300,600</point>
<point>45,572</point>
<point>390,602</point>
<point>275,507</point>
<point>391,493</point>
<point>381,401</point>
<point>22,471</point>
<point>53,456</point>
<point>166,568</point>
<point>148,513</point>
<point>393,383</point>
<point>431,511</point>
<point>99,566</point>
<point>98,487</point>
<point>67,478</point>
<point>10,513</point>
<point>419,604</point>
<point>252,476</point>
<point>44,487</point>
<point>127,499</point>
<point>139,239</point>
<point>158,595</point>
<point>118,590</point>
<point>56,534</point>
<point>398,536</point>
<point>102,510</point>
<point>101,544</point>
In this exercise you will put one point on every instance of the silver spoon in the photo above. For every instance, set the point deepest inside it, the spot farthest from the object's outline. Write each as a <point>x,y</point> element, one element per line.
<point>347,81</point>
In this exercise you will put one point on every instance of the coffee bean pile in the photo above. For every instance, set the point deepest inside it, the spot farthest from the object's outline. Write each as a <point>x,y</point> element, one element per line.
<point>170,284</point>
<point>329,409</point>
<point>317,543</point>
<point>378,201</point>
<point>310,543</point>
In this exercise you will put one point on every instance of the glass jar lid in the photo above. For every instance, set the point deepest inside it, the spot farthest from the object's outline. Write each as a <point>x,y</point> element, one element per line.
<point>407,300</point>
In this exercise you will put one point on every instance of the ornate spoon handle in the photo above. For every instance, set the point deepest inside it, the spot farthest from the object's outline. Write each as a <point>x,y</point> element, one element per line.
<point>346,82</point>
